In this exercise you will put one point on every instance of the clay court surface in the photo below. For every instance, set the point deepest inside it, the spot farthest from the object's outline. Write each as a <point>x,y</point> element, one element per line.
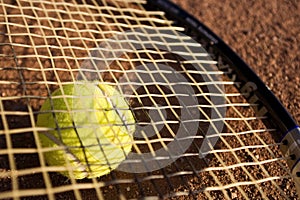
<point>265,34</point>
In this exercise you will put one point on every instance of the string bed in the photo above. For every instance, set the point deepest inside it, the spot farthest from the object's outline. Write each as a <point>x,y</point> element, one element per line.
<point>45,45</point>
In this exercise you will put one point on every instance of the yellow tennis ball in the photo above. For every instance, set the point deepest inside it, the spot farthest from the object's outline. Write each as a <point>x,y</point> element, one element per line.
<point>92,129</point>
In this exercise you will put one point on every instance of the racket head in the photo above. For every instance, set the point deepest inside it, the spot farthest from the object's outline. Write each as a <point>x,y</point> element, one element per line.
<point>239,143</point>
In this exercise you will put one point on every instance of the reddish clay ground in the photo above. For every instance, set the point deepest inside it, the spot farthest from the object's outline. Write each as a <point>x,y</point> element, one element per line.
<point>266,34</point>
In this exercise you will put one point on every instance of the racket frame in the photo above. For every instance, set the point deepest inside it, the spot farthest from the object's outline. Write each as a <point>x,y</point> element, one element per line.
<point>264,103</point>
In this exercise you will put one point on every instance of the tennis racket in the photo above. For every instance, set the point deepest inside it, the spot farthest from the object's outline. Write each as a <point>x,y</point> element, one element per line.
<point>206,127</point>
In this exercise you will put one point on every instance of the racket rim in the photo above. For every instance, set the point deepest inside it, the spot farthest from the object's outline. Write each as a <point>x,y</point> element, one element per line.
<point>284,120</point>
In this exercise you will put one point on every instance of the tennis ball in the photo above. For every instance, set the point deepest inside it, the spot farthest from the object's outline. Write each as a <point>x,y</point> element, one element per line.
<point>92,126</point>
